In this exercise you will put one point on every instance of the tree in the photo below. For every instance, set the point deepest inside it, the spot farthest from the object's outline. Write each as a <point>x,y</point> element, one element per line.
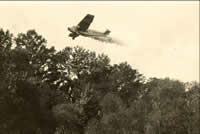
<point>164,96</point>
<point>21,90</point>
<point>126,81</point>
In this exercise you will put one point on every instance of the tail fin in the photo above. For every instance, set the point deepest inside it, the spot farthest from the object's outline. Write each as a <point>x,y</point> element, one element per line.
<point>107,32</point>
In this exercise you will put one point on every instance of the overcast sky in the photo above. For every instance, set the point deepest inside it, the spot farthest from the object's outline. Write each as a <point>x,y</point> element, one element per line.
<point>161,38</point>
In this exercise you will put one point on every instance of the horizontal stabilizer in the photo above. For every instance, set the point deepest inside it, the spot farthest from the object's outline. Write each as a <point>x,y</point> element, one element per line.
<point>107,32</point>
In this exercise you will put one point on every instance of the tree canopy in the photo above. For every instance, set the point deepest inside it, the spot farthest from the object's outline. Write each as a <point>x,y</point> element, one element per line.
<point>77,91</point>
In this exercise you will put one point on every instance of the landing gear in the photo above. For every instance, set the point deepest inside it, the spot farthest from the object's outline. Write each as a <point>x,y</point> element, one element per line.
<point>73,35</point>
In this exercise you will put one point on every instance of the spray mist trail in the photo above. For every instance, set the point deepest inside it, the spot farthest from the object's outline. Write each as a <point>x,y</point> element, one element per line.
<point>108,39</point>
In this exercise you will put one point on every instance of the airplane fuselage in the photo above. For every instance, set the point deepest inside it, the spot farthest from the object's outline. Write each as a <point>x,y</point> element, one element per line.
<point>75,32</point>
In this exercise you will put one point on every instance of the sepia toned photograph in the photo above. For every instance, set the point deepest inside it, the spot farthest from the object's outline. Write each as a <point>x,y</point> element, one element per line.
<point>99,67</point>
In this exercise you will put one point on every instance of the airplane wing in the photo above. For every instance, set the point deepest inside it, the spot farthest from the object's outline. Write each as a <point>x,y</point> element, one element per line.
<point>85,22</point>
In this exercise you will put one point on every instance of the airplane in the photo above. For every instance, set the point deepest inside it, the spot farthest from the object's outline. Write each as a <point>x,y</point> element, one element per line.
<point>82,29</point>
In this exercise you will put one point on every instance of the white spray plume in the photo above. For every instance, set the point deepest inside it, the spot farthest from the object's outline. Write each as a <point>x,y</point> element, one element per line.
<point>108,39</point>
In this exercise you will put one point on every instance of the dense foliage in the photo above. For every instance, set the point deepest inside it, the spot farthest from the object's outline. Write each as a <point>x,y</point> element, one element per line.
<point>76,91</point>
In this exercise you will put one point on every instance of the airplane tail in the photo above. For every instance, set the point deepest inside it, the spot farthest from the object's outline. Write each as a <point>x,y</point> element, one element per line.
<point>107,32</point>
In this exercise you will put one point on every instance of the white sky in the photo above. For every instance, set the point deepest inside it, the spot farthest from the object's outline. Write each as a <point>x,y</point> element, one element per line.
<point>162,38</point>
